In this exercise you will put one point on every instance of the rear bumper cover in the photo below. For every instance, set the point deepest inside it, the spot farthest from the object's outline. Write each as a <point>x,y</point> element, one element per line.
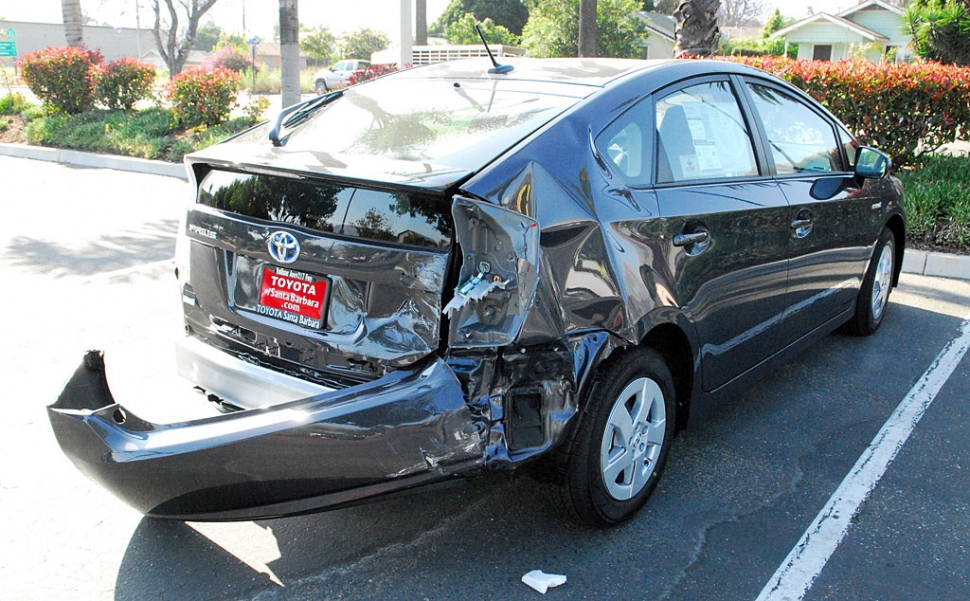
<point>407,429</point>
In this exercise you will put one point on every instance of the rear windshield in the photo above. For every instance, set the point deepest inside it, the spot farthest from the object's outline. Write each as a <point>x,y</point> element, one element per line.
<point>401,217</point>
<point>440,122</point>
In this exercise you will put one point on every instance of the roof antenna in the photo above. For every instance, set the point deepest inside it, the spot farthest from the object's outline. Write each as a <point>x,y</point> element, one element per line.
<point>497,68</point>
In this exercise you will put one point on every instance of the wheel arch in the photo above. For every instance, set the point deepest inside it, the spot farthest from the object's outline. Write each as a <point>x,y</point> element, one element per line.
<point>673,344</point>
<point>897,226</point>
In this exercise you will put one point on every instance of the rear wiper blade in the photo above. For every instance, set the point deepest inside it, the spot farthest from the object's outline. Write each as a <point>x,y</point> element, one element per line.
<point>301,112</point>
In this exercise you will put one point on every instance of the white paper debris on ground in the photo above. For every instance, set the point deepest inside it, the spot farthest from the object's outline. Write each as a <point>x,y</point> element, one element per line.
<point>541,581</point>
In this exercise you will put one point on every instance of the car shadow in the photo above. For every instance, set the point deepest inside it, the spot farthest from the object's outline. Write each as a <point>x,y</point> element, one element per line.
<point>452,527</point>
<point>756,459</point>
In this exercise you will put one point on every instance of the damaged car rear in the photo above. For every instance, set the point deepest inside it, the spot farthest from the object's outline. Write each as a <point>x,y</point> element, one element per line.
<point>451,270</point>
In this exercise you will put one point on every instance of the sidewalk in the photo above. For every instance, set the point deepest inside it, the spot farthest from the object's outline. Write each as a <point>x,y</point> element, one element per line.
<point>920,262</point>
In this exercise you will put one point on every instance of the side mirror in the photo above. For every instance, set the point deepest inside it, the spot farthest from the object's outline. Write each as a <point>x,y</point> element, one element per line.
<point>871,163</point>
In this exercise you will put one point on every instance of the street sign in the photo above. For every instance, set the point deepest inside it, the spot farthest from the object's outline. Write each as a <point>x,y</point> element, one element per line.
<point>8,42</point>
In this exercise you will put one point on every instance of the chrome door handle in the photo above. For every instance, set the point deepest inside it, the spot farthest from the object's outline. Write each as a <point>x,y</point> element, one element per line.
<point>798,224</point>
<point>687,239</point>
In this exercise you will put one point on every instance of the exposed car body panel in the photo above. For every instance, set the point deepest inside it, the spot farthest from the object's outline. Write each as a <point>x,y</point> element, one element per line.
<point>404,430</point>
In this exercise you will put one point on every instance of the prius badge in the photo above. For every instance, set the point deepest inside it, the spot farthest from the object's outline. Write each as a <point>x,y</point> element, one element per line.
<point>283,247</point>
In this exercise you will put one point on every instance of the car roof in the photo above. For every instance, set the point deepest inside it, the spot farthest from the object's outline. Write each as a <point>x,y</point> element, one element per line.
<point>571,80</point>
<point>579,71</point>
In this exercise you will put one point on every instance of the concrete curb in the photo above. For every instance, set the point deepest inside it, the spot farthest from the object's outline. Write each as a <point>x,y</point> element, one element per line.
<point>919,262</point>
<point>945,265</point>
<point>90,159</point>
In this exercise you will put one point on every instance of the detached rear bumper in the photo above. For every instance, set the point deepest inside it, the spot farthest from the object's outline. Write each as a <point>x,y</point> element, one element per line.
<point>404,430</point>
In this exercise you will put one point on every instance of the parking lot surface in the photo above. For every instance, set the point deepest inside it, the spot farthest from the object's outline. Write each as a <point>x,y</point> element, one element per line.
<point>85,261</point>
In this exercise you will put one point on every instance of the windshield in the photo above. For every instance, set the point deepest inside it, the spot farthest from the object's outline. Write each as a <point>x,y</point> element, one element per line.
<point>456,124</point>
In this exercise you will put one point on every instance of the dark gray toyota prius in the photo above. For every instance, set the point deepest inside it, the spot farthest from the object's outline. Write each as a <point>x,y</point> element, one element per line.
<point>457,268</point>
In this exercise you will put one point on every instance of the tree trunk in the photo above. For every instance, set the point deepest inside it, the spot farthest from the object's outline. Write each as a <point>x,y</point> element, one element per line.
<point>587,27</point>
<point>173,50</point>
<point>73,27</point>
<point>697,31</point>
<point>290,51</point>
<point>421,22</point>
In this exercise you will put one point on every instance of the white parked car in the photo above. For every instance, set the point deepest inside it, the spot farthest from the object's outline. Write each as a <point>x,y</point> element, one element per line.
<point>337,76</point>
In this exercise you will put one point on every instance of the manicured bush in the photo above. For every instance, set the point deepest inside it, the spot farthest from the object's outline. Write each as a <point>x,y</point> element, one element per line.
<point>201,97</point>
<point>905,109</point>
<point>756,47</point>
<point>122,83</point>
<point>62,77</point>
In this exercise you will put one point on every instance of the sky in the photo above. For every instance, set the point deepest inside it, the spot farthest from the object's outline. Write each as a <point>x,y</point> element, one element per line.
<point>341,16</point>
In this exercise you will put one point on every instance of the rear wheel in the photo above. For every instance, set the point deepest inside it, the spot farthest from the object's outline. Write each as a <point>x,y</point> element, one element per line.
<point>621,444</point>
<point>873,301</point>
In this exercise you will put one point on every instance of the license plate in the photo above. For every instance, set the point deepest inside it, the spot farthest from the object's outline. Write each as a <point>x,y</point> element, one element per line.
<point>293,296</point>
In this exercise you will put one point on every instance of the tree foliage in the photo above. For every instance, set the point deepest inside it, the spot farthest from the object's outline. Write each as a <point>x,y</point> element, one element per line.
<point>940,30</point>
<point>774,22</point>
<point>553,28</point>
<point>207,36</point>
<point>319,44</point>
<point>511,14</point>
<point>364,42</point>
<point>462,32</point>
<point>739,13</point>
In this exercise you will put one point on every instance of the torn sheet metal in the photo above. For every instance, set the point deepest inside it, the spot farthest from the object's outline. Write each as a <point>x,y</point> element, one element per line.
<point>499,266</point>
<point>409,428</point>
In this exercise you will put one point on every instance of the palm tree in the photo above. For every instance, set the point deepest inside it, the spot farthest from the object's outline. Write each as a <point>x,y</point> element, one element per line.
<point>697,31</point>
<point>73,27</point>
<point>290,52</point>
<point>420,22</point>
<point>587,27</point>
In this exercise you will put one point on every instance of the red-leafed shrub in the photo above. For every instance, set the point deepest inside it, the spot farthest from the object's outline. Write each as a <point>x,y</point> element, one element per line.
<point>371,72</point>
<point>122,83</point>
<point>61,77</point>
<point>201,97</point>
<point>905,109</point>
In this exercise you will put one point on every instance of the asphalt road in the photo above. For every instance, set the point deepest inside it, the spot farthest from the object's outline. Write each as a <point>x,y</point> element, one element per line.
<point>85,263</point>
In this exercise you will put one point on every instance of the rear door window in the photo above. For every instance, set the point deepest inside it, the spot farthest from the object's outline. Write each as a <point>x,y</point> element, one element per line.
<point>702,135</point>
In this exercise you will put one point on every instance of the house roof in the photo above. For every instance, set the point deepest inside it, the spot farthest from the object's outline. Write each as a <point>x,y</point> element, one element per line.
<point>660,24</point>
<point>875,36</point>
<point>869,4</point>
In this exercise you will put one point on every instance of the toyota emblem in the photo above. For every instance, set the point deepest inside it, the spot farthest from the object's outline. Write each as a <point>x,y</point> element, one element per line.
<point>283,247</point>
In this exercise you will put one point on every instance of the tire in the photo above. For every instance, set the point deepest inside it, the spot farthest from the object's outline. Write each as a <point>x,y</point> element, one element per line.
<point>320,86</point>
<point>873,301</point>
<point>620,446</point>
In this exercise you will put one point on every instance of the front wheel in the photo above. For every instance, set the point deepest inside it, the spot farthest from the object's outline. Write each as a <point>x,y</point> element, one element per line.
<point>622,441</point>
<point>873,301</point>
<point>320,86</point>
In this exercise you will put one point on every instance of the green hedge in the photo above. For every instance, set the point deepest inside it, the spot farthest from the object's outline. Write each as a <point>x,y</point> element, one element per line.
<point>905,109</point>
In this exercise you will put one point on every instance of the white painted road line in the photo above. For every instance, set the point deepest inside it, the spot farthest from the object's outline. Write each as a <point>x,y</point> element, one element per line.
<point>106,275</point>
<point>794,577</point>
